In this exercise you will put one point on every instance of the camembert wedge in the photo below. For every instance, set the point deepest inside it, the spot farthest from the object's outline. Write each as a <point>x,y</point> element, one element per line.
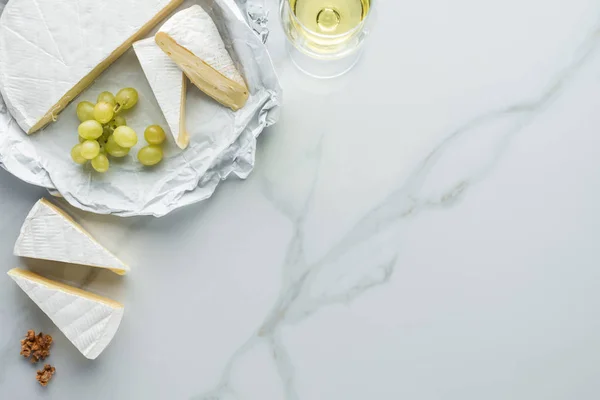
<point>50,51</point>
<point>169,85</point>
<point>48,233</point>
<point>192,40</point>
<point>89,321</point>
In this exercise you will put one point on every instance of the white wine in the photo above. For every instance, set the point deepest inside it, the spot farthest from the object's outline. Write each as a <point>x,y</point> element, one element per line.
<point>325,36</point>
<point>330,17</point>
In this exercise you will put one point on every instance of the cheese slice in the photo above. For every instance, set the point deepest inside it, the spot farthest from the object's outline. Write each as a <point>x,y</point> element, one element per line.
<point>169,85</point>
<point>50,51</point>
<point>89,321</point>
<point>192,40</point>
<point>48,233</point>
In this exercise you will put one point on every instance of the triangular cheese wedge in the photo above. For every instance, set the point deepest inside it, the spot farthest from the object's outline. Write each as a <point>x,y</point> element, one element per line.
<point>168,84</point>
<point>192,40</point>
<point>89,321</point>
<point>48,233</point>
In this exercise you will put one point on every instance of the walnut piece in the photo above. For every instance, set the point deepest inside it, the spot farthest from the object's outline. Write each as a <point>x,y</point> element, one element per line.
<point>44,375</point>
<point>36,347</point>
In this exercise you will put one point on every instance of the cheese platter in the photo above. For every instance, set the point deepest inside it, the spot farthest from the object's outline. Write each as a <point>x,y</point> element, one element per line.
<point>193,68</point>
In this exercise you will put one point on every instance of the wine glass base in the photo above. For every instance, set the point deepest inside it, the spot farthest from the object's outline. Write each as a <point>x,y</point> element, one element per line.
<point>322,68</point>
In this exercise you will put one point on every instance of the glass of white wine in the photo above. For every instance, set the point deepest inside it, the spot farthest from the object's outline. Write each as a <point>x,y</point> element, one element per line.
<point>325,36</point>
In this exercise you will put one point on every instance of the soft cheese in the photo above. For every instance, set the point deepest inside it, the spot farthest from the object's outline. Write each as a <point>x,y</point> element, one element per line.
<point>168,84</point>
<point>192,40</point>
<point>89,321</point>
<point>52,50</point>
<point>48,233</point>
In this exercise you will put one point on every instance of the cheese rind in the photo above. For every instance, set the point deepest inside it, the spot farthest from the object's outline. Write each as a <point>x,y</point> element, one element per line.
<point>193,41</point>
<point>88,320</point>
<point>48,233</point>
<point>168,84</point>
<point>51,51</point>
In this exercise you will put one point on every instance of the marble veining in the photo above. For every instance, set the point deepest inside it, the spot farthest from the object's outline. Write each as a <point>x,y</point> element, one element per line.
<point>307,287</point>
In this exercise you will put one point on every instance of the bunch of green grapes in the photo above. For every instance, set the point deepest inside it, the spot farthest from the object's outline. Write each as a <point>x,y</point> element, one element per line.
<point>103,130</point>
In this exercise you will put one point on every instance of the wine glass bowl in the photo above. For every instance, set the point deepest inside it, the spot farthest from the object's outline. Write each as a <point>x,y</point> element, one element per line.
<point>325,37</point>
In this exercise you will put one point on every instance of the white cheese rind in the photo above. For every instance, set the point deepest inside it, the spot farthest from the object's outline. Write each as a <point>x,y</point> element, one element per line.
<point>194,31</point>
<point>168,84</point>
<point>87,320</point>
<point>51,50</point>
<point>49,234</point>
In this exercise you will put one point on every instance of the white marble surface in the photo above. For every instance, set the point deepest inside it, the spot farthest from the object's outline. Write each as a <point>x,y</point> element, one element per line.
<point>426,228</point>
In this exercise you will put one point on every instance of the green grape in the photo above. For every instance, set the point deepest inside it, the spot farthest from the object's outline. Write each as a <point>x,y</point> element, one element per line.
<point>106,132</point>
<point>85,111</point>
<point>126,99</point>
<point>81,139</point>
<point>103,112</point>
<point>119,121</point>
<point>90,129</point>
<point>154,134</point>
<point>150,155</point>
<point>114,149</point>
<point>76,155</point>
<point>100,163</point>
<point>107,97</point>
<point>116,122</point>
<point>125,137</point>
<point>90,149</point>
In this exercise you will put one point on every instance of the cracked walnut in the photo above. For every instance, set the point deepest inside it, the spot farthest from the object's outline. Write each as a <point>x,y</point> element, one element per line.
<point>36,347</point>
<point>45,374</point>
